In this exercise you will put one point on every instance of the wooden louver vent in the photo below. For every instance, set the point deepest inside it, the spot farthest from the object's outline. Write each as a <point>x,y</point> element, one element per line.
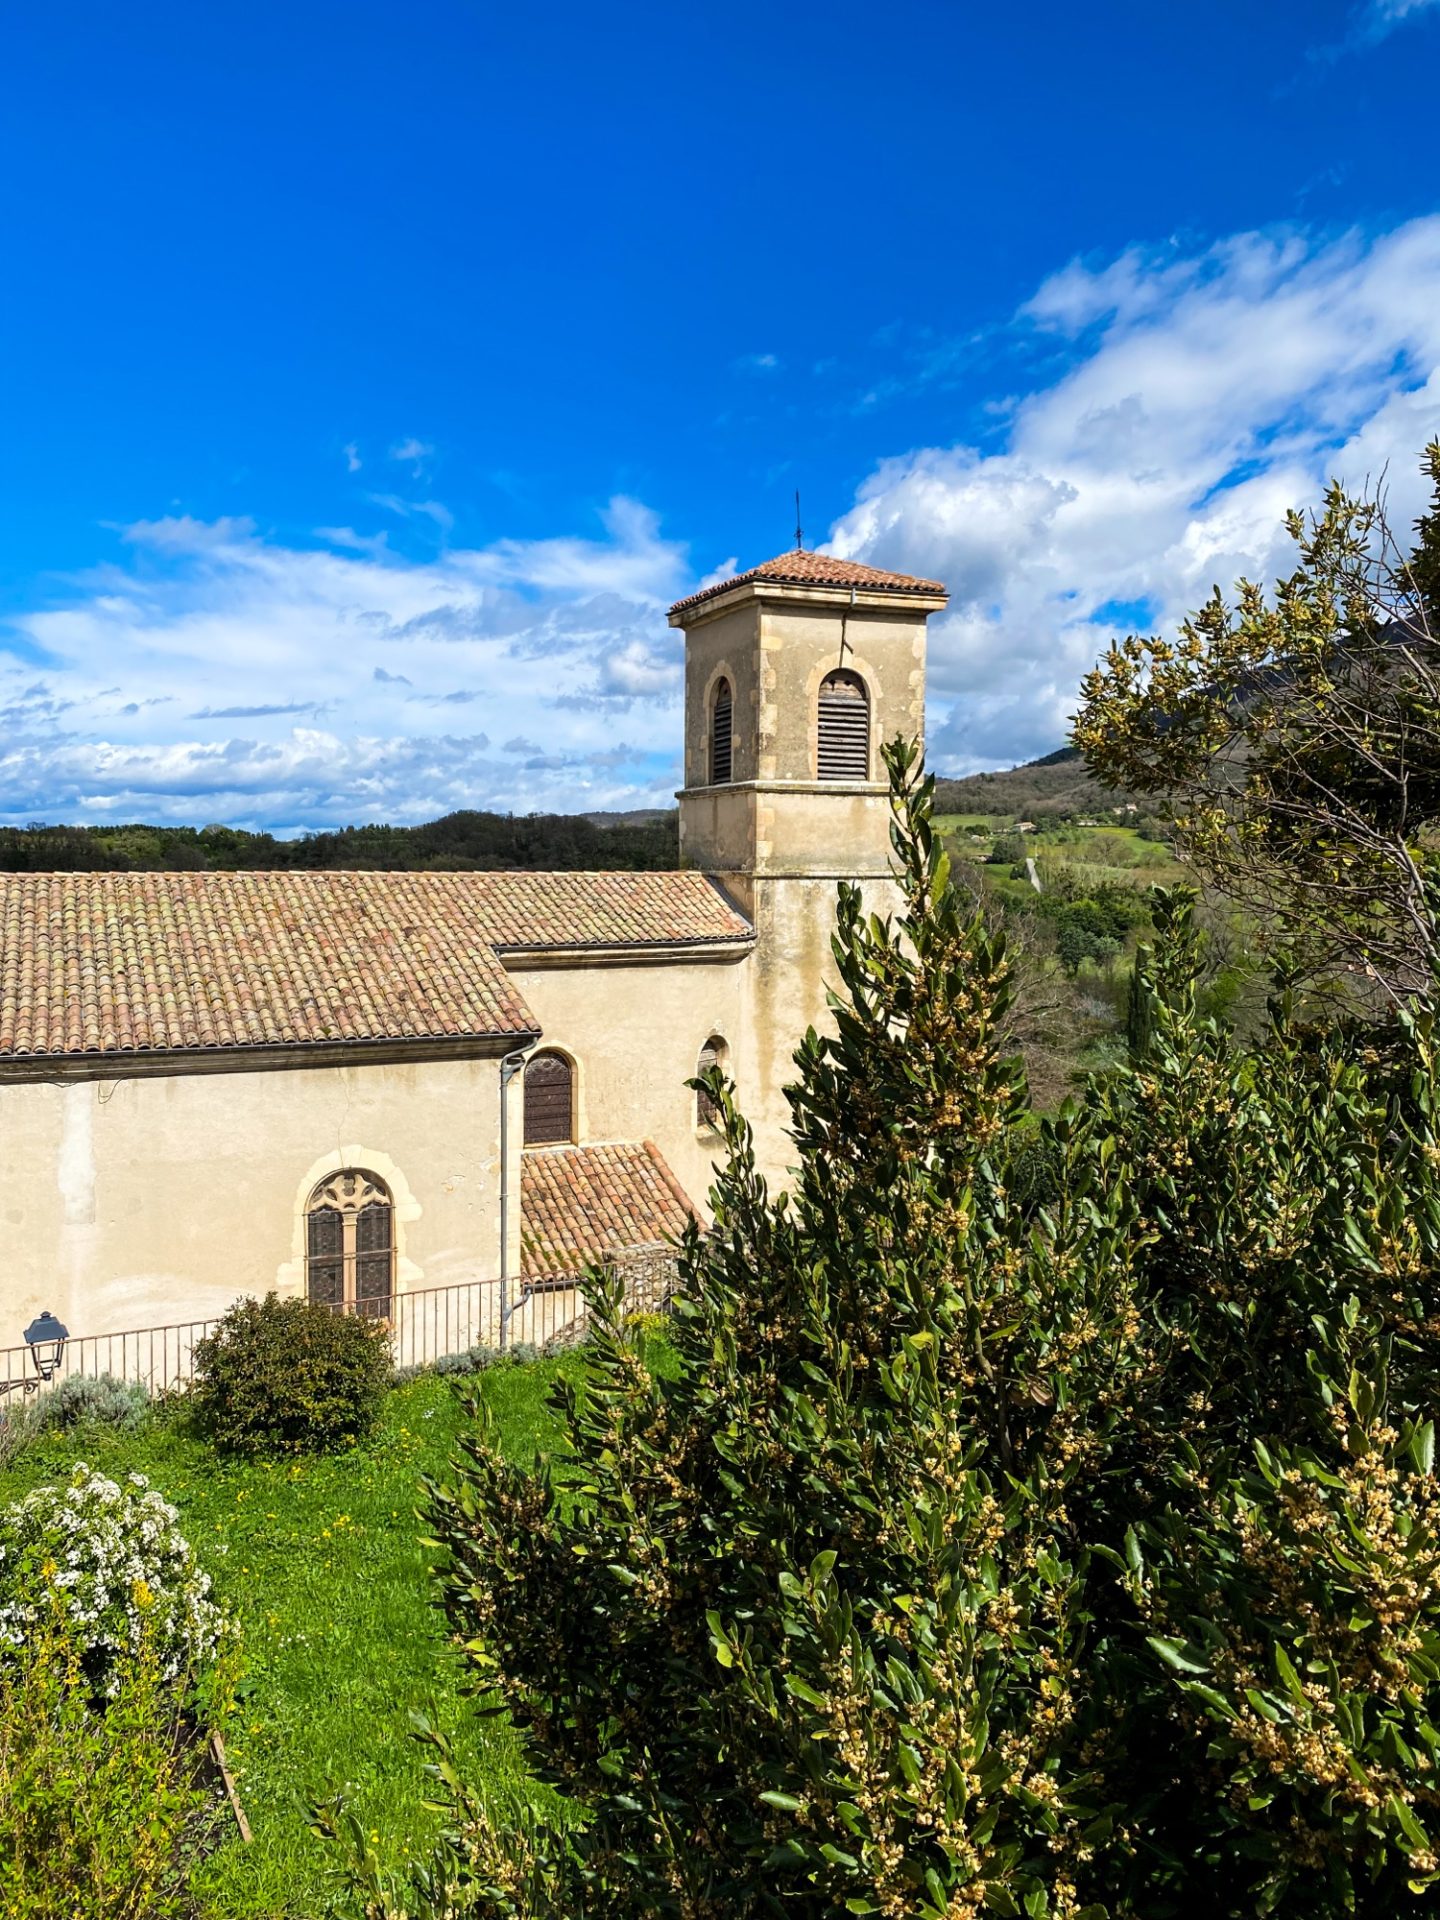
<point>721,736</point>
<point>844,728</point>
<point>549,1101</point>
<point>707,1110</point>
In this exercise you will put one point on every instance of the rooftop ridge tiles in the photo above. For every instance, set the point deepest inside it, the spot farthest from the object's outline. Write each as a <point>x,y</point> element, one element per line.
<point>802,567</point>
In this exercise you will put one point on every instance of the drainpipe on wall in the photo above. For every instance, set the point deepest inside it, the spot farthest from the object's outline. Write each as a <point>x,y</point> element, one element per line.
<point>509,1067</point>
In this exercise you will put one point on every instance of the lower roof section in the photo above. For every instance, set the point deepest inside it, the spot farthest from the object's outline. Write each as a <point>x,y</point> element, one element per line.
<point>585,1204</point>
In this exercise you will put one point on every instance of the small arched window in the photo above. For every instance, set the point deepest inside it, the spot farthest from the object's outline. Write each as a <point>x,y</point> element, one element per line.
<point>350,1243</point>
<point>722,734</point>
<point>844,727</point>
<point>549,1101</point>
<point>713,1054</point>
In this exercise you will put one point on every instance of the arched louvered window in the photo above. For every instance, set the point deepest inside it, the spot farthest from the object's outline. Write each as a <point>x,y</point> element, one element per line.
<point>350,1244</point>
<point>713,1054</point>
<point>722,734</point>
<point>844,727</point>
<point>549,1101</point>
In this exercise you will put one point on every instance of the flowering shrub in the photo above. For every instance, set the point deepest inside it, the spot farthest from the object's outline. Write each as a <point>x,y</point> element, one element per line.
<point>120,1571</point>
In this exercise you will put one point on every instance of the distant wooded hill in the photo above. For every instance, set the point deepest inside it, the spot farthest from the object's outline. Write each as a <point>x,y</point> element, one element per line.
<point>1056,784</point>
<point>647,840</point>
<point>461,842</point>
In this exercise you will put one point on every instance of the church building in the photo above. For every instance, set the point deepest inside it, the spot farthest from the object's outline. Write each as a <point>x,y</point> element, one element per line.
<point>368,1086</point>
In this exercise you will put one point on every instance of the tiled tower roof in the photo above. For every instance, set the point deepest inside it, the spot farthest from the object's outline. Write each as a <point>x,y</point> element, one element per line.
<point>801,568</point>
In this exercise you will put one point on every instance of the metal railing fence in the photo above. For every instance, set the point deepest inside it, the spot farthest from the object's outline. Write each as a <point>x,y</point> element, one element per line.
<point>424,1326</point>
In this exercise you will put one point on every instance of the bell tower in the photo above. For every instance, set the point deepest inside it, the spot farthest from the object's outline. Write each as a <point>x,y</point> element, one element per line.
<point>796,673</point>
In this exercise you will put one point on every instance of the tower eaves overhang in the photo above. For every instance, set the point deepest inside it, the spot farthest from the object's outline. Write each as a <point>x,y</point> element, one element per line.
<point>811,579</point>
<point>692,613</point>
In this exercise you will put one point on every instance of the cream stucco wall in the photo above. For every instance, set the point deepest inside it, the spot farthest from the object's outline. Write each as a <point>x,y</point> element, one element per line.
<point>775,815</point>
<point>142,1202</point>
<point>785,993</point>
<point>635,1034</point>
<point>724,646</point>
<point>779,837</point>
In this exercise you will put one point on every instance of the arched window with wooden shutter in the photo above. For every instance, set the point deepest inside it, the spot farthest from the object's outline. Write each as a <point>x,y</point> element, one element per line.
<point>549,1101</point>
<point>350,1243</point>
<point>844,726</point>
<point>707,1108</point>
<point>722,734</point>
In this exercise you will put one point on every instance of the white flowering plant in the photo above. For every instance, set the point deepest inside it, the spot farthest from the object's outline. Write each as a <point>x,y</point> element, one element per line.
<point>111,1560</point>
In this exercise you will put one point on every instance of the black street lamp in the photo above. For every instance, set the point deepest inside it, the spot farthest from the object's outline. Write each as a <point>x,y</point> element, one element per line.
<point>46,1336</point>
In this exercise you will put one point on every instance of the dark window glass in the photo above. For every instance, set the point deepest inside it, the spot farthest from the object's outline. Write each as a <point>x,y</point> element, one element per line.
<point>325,1268</point>
<point>373,1259</point>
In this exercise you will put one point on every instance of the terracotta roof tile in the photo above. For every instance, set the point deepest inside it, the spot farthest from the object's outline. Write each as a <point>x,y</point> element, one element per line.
<point>583,1204</point>
<point>564,910</point>
<point>802,568</point>
<point>117,963</point>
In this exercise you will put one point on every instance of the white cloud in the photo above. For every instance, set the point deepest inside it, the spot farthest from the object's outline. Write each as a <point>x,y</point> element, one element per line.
<point>214,672</point>
<point>1370,22</point>
<point>412,453</point>
<point>353,461</point>
<point>408,509</point>
<point>240,643</point>
<point>1383,16</point>
<point>1205,393</point>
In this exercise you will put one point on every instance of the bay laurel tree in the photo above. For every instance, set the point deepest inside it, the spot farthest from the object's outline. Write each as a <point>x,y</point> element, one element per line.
<point>985,1545</point>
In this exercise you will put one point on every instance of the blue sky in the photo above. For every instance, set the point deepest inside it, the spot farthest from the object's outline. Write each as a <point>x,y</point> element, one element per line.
<point>374,376</point>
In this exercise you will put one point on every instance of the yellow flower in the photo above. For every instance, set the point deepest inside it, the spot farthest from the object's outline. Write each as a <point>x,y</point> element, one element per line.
<point>141,1594</point>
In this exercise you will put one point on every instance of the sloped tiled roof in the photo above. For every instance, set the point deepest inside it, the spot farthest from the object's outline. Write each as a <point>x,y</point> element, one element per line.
<point>129,963</point>
<point>580,1204</point>
<point>802,568</point>
<point>533,910</point>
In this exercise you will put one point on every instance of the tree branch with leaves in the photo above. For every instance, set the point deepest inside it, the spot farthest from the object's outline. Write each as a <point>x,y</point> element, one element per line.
<point>1296,739</point>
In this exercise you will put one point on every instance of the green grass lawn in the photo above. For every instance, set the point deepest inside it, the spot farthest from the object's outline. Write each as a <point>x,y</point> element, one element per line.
<point>321,1561</point>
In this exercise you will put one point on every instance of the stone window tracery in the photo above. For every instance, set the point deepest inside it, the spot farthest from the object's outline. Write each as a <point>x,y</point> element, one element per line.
<point>350,1243</point>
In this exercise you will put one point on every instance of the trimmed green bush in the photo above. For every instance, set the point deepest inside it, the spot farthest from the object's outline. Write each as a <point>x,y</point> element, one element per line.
<point>103,1400</point>
<point>290,1376</point>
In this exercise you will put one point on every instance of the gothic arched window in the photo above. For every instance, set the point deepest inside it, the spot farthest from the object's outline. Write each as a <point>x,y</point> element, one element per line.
<point>712,1054</point>
<point>844,727</point>
<point>549,1101</point>
<point>350,1243</point>
<point>722,733</point>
